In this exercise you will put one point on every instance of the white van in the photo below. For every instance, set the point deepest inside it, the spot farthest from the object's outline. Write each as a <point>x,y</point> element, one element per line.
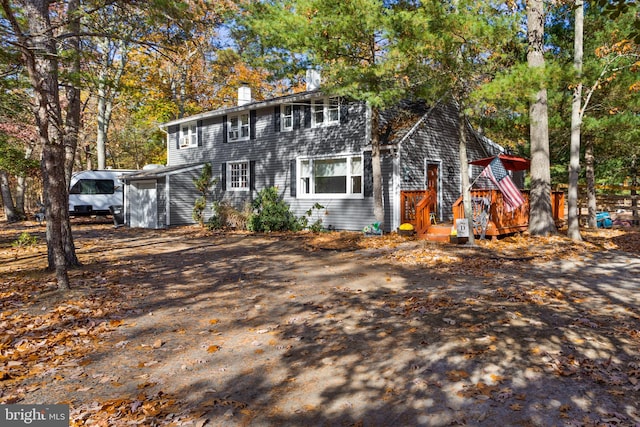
<point>95,192</point>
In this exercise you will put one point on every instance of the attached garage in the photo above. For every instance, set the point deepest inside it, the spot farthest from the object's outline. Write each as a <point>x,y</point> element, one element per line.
<point>160,197</point>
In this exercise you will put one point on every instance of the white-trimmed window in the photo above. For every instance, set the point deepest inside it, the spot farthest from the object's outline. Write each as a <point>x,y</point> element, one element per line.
<point>238,127</point>
<point>286,119</point>
<point>339,176</point>
<point>325,112</point>
<point>188,135</point>
<point>238,176</point>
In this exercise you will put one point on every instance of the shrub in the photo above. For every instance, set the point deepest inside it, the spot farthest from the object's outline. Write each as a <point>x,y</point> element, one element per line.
<point>25,239</point>
<point>271,213</point>
<point>316,226</point>
<point>203,184</point>
<point>226,216</point>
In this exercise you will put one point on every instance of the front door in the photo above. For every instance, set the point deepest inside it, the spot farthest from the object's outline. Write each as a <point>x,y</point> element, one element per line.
<point>432,183</point>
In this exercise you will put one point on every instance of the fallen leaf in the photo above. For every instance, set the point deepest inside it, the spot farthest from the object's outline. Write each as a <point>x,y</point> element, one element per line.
<point>213,348</point>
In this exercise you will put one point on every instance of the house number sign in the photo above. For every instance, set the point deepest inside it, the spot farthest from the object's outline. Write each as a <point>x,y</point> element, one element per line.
<point>462,227</point>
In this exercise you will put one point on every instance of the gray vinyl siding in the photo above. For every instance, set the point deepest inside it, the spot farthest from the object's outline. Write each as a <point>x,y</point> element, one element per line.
<point>273,153</point>
<point>437,141</point>
<point>182,197</point>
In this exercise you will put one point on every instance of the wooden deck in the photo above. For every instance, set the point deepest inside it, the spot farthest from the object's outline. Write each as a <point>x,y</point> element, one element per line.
<point>416,209</point>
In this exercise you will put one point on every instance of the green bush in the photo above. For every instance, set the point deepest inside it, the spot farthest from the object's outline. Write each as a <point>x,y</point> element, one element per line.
<point>25,239</point>
<point>204,182</point>
<point>316,226</point>
<point>271,213</point>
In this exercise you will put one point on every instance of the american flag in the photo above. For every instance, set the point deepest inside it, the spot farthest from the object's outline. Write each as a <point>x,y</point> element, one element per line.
<point>496,172</point>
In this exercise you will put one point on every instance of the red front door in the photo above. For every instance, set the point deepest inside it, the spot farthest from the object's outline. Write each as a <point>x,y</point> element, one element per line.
<point>432,183</point>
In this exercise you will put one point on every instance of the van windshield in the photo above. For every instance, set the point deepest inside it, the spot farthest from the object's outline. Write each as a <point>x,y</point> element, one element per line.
<point>93,186</point>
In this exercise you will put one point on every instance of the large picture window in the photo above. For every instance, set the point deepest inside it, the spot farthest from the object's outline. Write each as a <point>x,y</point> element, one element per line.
<point>238,127</point>
<point>238,176</point>
<point>331,176</point>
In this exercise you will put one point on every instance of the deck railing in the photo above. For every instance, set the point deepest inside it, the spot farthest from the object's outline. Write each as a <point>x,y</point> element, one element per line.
<point>416,208</point>
<point>503,222</point>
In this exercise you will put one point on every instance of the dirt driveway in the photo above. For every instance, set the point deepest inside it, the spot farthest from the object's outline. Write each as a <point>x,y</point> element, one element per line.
<point>181,327</point>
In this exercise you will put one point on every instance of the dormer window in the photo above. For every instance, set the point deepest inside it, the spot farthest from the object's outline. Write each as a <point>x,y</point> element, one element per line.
<point>238,128</point>
<point>189,135</point>
<point>325,112</point>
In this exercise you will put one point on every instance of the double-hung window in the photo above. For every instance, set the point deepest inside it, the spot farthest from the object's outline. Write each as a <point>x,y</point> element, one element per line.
<point>325,112</point>
<point>286,120</point>
<point>238,127</point>
<point>238,176</point>
<point>317,114</point>
<point>331,176</point>
<point>189,135</point>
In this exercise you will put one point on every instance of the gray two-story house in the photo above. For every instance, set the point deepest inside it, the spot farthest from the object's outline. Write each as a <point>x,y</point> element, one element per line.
<point>313,148</point>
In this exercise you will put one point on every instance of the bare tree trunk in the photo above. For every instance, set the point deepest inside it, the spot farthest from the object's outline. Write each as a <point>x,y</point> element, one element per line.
<point>464,173</point>
<point>589,161</point>
<point>101,136</point>
<point>378,205</point>
<point>7,198</point>
<point>72,130</point>
<point>21,186</point>
<point>573,218</point>
<point>107,84</point>
<point>40,56</point>
<point>540,214</point>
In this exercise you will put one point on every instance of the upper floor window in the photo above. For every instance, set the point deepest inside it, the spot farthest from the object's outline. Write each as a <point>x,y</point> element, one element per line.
<point>325,112</point>
<point>331,176</point>
<point>188,135</point>
<point>286,122</point>
<point>238,128</point>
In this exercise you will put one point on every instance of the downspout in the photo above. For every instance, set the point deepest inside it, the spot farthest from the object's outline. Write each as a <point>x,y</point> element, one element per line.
<point>167,186</point>
<point>397,179</point>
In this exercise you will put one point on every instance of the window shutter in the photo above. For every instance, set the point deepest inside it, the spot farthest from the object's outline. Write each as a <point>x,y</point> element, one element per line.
<point>223,176</point>
<point>344,112</point>
<point>252,124</point>
<point>199,133</point>
<point>293,178</point>
<point>307,114</point>
<point>367,177</point>
<point>224,129</point>
<point>174,132</point>
<point>296,117</point>
<point>252,175</point>
<point>276,118</point>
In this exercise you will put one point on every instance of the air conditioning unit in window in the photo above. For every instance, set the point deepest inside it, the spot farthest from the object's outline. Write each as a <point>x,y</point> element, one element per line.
<point>184,141</point>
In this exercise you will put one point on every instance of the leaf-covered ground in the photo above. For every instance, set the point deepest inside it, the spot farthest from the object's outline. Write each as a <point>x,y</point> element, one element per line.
<point>185,327</point>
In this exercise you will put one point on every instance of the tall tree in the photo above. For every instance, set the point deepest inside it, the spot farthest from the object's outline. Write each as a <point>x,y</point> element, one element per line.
<point>380,52</point>
<point>34,35</point>
<point>573,219</point>
<point>540,214</point>
<point>351,42</point>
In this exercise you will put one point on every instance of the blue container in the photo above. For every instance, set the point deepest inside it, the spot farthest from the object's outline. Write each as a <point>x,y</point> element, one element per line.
<point>603,220</point>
